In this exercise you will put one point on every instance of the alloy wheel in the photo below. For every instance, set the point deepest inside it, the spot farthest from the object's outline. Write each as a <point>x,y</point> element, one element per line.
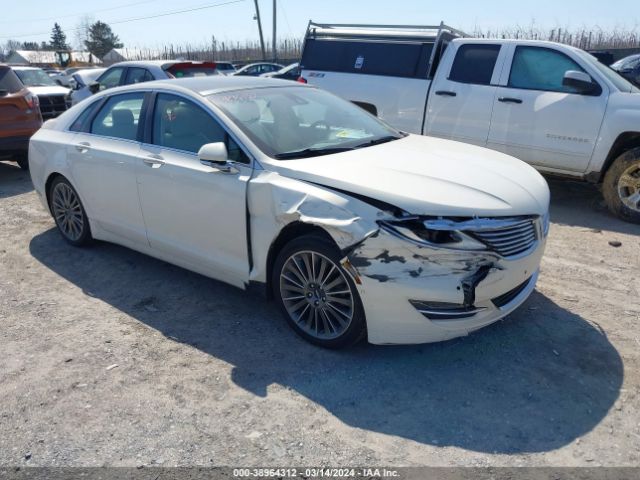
<point>629,187</point>
<point>316,295</point>
<point>67,211</point>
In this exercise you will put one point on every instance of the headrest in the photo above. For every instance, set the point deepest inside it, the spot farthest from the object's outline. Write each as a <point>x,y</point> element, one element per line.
<point>247,112</point>
<point>122,117</point>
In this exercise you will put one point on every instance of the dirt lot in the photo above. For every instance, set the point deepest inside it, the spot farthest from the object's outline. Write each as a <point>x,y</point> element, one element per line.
<point>113,358</point>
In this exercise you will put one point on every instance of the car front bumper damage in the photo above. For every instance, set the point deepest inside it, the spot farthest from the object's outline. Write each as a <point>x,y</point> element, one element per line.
<point>420,294</point>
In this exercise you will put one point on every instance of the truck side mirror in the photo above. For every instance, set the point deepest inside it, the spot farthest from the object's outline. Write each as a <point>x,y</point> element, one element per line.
<point>582,82</point>
<point>94,87</point>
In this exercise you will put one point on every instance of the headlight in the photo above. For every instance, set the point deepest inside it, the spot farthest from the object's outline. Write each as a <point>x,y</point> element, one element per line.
<point>416,231</point>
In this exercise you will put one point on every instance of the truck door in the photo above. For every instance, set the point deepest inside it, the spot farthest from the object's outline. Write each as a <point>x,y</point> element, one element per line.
<point>538,119</point>
<point>462,93</point>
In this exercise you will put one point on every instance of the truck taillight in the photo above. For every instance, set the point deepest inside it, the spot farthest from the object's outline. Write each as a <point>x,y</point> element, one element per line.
<point>302,80</point>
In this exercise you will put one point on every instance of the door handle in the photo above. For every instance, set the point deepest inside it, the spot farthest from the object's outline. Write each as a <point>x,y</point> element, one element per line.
<point>446,93</point>
<point>510,100</point>
<point>83,147</point>
<point>153,161</point>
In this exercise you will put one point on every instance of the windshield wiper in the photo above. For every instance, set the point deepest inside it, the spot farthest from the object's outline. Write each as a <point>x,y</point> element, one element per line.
<point>378,141</point>
<point>312,152</point>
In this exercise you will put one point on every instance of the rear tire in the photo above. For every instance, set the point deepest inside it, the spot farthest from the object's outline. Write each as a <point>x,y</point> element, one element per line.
<point>316,295</point>
<point>621,186</point>
<point>68,213</point>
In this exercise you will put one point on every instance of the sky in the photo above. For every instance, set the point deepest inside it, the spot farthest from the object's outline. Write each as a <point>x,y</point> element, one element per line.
<point>231,20</point>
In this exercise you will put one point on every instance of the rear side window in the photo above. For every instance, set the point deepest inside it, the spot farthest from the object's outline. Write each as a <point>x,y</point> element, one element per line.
<point>138,75</point>
<point>9,81</point>
<point>400,59</point>
<point>474,64</point>
<point>536,68</point>
<point>119,117</point>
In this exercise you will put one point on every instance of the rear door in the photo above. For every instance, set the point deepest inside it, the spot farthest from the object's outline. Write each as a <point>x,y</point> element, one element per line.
<point>463,92</point>
<point>538,119</point>
<point>103,159</point>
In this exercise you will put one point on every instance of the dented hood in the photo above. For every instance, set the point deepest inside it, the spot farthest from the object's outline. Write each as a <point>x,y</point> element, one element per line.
<point>430,176</point>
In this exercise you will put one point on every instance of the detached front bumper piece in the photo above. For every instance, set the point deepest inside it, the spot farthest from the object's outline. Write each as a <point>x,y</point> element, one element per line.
<point>420,294</point>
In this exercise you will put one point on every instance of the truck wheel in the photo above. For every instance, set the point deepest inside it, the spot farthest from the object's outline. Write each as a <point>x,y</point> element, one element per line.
<point>23,161</point>
<point>621,186</point>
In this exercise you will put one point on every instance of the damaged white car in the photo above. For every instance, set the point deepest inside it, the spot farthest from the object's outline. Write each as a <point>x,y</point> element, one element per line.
<point>354,228</point>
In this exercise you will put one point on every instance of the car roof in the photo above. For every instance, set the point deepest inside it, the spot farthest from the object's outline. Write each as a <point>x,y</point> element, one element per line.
<point>211,84</point>
<point>153,63</point>
<point>21,67</point>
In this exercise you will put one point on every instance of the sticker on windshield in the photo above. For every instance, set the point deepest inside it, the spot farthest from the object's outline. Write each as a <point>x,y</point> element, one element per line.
<point>352,134</point>
<point>359,62</point>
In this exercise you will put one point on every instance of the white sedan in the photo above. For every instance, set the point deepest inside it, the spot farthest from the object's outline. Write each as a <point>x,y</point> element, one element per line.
<point>356,229</point>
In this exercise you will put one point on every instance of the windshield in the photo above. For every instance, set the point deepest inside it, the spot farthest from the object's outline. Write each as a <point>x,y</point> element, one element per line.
<point>296,122</point>
<point>614,77</point>
<point>35,78</point>
<point>629,62</point>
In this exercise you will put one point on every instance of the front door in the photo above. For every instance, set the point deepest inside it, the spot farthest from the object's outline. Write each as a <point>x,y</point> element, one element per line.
<point>539,120</point>
<point>193,212</point>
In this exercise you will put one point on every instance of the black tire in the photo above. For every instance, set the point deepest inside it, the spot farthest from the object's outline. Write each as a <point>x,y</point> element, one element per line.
<point>23,161</point>
<point>76,237</point>
<point>614,190</point>
<point>324,249</point>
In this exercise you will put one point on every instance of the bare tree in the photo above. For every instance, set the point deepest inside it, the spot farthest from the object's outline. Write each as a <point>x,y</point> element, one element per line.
<point>82,31</point>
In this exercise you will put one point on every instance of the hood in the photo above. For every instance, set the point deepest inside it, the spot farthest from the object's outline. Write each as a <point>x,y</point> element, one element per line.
<point>430,176</point>
<point>49,90</point>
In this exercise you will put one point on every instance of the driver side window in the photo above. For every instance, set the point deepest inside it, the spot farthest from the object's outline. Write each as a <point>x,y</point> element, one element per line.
<point>182,125</point>
<point>111,78</point>
<point>538,68</point>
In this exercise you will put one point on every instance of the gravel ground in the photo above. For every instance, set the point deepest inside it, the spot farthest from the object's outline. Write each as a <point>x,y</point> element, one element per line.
<point>113,358</point>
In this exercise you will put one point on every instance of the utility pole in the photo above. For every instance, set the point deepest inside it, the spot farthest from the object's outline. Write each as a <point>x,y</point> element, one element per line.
<point>264,55</point>
<point>275,53</point>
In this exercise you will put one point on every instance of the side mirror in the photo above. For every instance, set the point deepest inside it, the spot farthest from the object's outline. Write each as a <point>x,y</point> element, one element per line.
<point>94,87</point>
<point>580,81</point>
<point>215,155</point>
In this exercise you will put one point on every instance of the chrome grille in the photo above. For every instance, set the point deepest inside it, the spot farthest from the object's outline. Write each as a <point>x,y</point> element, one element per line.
<point>52,105</point>
<point>509,239</point>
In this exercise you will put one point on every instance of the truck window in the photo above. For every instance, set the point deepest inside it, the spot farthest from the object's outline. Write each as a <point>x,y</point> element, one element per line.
<point>539,68</point>
<point>396,59</point>
<point>474,63</point>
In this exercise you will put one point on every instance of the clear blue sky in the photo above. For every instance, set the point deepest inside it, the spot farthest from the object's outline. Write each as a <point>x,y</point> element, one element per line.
<point>235,21</point>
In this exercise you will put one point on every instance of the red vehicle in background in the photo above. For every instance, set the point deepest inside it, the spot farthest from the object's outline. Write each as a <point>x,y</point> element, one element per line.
<point>19,118</point>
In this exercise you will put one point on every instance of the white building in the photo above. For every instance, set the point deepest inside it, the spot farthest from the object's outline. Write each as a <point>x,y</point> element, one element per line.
<point>37,57</point>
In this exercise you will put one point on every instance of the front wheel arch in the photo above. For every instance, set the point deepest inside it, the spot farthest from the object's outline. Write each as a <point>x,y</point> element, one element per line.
<point>288,233</point>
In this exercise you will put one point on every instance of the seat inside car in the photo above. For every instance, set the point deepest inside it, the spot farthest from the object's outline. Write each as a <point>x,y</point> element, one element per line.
<point>124,125</point>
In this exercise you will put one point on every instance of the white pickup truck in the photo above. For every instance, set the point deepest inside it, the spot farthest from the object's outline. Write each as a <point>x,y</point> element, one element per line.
<point>551,105</point>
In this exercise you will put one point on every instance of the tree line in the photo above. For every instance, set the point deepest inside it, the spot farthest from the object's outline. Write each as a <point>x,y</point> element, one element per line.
<point>98,38</point>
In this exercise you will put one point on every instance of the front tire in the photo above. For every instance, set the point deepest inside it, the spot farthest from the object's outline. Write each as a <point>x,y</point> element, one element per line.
<point>68,213</point>
<point>621,186</point>
<point>316,295</point>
